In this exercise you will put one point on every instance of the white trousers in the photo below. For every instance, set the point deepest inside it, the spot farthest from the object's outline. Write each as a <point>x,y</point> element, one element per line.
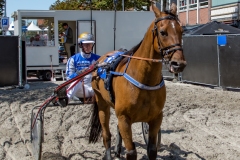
<point>79,88</point>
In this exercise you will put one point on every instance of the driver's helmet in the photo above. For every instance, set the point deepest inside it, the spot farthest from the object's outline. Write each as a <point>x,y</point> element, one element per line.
<point>85,37</point>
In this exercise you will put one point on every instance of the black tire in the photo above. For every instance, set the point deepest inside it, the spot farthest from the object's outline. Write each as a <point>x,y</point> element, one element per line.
<point>159,139</point>
<point>47,75</point>
<point>37,136</point>
<point>145,131</point>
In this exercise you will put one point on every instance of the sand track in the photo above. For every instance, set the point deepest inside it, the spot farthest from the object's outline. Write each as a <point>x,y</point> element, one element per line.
<point>199,123</point>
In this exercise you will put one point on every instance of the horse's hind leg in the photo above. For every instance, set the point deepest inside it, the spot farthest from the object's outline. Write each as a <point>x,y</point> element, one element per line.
<point>153,134</point>
<point>104,116</point>
<point>124,125</point>
<point>118,145</point>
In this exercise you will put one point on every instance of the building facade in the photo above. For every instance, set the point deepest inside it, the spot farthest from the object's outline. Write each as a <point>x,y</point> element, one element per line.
<point>190,12</point>
<point>226,11</point>
<point>193,12</point>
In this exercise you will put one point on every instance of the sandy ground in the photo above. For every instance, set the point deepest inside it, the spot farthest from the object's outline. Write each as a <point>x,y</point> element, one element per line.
<point>199,123</point>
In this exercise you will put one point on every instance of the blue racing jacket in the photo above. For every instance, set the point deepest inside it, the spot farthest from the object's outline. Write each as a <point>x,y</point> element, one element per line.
<point>79,62</point>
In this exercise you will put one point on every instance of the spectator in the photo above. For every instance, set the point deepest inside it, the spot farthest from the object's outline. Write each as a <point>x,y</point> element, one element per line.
<point>37,41</point>
<point>31,40</point>
<point>68,39</point>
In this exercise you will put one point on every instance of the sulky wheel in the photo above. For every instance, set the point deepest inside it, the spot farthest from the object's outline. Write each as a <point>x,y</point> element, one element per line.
<point>37,135</point>
<point>145,131</point>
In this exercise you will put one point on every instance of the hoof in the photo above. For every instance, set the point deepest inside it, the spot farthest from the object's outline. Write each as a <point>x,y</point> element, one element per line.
<point>131,155</point>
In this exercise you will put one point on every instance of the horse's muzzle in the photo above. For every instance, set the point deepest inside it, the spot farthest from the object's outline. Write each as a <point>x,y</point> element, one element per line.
<point>176,67</point>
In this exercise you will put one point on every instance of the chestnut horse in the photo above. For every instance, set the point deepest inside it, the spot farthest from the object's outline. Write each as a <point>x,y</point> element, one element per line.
<point>138,90</point>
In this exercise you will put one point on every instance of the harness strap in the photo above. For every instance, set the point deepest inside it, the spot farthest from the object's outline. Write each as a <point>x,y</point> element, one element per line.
<point>167,17</point>
<point>174,45</point>
<point>142,86</point>
<point>172,50</point>
<point>138,84</point>
<point>133,81</point>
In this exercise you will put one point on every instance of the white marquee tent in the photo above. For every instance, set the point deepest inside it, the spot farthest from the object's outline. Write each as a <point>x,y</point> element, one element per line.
<point>33,27</point>
<point>11,26</point>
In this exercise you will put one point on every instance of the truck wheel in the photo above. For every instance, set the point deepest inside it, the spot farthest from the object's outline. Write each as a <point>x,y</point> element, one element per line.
<point>47,75</point>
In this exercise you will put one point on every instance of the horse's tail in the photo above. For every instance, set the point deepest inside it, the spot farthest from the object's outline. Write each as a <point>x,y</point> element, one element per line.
<point>94,128</point>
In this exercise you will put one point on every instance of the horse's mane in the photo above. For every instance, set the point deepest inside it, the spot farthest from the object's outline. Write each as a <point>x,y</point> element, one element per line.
<point>131,51</point>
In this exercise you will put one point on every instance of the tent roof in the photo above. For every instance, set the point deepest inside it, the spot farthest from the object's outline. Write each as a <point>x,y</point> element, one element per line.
<point>33,27</point>
<point>11,26</point>
<point>212,28</point>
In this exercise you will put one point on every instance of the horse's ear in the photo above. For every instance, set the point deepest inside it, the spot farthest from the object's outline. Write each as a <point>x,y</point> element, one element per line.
<point>156,10</point>
<point>173,9</point>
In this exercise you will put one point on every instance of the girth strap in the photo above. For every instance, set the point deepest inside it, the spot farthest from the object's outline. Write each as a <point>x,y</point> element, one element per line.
<point>134,82</point>
<point>138,84</point>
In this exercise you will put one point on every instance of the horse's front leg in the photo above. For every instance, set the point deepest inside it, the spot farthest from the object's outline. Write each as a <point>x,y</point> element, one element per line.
<point>124,125</point>
<point>104,116</point>
<point>154,127</point>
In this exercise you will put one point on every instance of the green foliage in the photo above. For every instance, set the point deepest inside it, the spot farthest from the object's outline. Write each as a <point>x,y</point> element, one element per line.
<point>99,5</point>
<point>2,3</point>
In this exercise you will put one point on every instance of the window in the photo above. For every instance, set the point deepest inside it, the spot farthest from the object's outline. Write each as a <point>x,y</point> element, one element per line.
<point>203,3</point>
<point>192,3</point>
<point>183,4</point>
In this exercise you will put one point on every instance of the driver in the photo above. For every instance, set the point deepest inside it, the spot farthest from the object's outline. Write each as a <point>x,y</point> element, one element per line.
<point>81,61</point>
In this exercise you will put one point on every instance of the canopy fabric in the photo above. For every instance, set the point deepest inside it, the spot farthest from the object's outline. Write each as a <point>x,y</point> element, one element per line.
<point>33,27</point>
<point>11,26</point>
<point>213,28</point>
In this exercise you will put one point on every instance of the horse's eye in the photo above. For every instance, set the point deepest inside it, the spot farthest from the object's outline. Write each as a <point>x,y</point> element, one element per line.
<point>163,33</point>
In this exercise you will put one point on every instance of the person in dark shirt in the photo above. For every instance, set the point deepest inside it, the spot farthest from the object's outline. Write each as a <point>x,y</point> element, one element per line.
<point>37,41</point>
<point>68,38</point>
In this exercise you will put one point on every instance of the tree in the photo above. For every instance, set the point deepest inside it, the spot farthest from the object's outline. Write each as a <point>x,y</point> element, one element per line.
<point>99,5</point>
<point>2,5</point>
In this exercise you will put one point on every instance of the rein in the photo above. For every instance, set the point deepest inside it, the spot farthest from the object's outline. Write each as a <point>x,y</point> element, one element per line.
<point>164,51</point>
<point>140,58</point>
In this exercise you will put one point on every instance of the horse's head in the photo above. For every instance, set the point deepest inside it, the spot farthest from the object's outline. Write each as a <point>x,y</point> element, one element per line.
<point>168,38</point>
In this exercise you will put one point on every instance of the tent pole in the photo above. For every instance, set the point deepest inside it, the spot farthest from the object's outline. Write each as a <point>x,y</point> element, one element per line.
<point>20,51</point>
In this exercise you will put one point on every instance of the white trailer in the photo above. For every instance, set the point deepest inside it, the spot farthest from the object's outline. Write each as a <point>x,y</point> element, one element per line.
<point>129,30</point>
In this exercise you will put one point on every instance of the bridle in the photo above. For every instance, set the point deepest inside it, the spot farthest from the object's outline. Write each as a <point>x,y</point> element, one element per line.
<point>163,51</point>
<point>169,49</point>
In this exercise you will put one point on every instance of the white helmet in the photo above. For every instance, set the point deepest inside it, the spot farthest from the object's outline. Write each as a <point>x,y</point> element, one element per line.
<point>85,37</point>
